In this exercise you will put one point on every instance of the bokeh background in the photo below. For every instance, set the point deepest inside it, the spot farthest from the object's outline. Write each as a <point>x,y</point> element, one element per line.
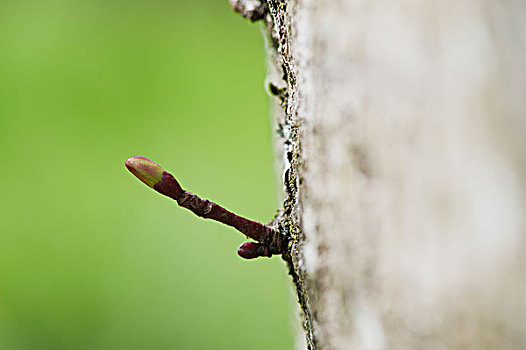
<point>90,258</point>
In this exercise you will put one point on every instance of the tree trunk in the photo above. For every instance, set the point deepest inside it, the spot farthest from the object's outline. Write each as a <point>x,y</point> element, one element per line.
<point>405,170</point>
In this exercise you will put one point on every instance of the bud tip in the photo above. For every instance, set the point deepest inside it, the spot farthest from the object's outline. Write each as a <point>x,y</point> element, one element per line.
<point>145,170</point>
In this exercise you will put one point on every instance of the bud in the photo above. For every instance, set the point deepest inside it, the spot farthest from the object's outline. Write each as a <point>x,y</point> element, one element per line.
<point>252,250</point>
<point>145,169</point>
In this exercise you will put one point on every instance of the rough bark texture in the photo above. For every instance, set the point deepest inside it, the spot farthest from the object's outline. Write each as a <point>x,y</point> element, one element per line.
<point>405,157</point>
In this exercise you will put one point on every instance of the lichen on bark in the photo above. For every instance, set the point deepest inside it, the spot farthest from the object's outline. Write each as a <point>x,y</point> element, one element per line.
<point>276,17</point>
<point>289,220</point>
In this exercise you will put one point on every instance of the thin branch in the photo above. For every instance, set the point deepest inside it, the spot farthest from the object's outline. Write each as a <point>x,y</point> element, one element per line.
<point>153,175</point>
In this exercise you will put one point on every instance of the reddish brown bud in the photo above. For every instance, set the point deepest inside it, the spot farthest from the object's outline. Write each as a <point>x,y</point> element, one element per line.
<point>252,250</point>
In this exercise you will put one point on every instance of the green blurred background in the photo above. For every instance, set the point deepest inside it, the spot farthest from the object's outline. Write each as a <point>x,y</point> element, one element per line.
<point>90,258</point>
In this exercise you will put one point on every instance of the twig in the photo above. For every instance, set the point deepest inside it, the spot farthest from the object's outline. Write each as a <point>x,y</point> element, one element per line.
<point>153,175</point>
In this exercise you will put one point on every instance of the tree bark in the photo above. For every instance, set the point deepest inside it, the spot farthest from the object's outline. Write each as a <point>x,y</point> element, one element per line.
<point>405,170</point>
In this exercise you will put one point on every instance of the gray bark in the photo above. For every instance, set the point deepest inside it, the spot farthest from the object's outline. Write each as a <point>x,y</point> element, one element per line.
<point>405,180</point>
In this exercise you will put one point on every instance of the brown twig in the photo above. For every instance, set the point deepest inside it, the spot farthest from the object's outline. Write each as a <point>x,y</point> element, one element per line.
<point>153,175</point>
